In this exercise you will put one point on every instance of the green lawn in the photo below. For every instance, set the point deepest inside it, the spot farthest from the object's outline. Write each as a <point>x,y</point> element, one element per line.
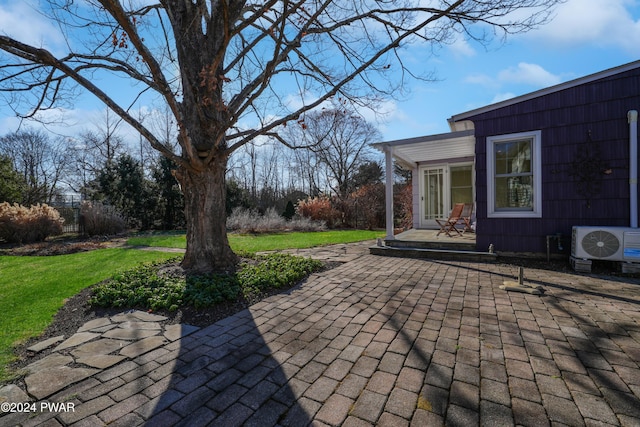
<point>265,242</point>
<point>33,288</point>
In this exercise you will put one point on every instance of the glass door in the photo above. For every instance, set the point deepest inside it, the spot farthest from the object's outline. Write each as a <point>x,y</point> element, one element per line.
<point>440,188</point>
<point>433,196</point>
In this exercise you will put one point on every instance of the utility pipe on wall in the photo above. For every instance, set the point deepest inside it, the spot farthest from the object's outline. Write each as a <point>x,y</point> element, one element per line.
<point>632,116</point>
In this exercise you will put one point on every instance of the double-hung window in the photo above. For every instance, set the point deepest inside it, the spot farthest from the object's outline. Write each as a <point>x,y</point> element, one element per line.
<point>514,176</point>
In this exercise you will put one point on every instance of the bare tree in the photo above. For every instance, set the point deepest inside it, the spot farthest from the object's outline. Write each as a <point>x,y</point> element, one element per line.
<point>341,141</point>
<point>94,149</point>
<point>41,161</point>
<point>307,172</point>
<point>218,64</point>
<point>92,153</point>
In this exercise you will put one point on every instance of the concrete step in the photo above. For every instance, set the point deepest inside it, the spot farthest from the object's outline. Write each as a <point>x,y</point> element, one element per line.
<point>443,245</point>
<point>439,254</point>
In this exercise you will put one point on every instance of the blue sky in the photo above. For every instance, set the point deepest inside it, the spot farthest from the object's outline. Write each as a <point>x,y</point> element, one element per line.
<point>586,36</point>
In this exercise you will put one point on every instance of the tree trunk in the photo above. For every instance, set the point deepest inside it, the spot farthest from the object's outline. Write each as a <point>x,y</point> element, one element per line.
<point>208,248</point>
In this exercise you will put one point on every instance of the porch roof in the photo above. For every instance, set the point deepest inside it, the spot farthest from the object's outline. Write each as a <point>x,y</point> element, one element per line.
<point>412,151</point>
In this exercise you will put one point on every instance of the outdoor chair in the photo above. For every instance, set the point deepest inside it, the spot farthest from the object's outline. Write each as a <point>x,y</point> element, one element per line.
<point>447,226</point>
<point>465,217</point>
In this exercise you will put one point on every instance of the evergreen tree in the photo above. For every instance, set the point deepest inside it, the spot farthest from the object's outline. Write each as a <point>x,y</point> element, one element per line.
<point>12,184</point>
<point>368,173</point>
<point>170,200</point>
<point>289,211</point>
<point>122,185</point>
<point>237,196</point>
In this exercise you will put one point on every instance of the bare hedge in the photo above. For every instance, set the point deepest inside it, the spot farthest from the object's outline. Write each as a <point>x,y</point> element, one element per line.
<point>97,219</point>
<point>19,224</point>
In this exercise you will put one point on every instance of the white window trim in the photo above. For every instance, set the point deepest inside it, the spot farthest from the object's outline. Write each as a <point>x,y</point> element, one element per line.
<point>536,148</point>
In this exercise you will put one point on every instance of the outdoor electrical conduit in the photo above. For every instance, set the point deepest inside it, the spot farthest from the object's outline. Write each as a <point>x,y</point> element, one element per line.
<point>632,116</point>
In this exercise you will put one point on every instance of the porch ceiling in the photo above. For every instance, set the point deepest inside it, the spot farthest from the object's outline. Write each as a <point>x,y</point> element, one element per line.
<point>413,151</point>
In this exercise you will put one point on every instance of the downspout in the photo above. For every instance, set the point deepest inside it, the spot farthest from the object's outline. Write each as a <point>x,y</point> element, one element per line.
<point>632,116</point>
<point>388,156</point>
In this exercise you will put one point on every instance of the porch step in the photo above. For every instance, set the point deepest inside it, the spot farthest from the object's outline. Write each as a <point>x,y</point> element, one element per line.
<point>443,245</point>
<point>439,254</point>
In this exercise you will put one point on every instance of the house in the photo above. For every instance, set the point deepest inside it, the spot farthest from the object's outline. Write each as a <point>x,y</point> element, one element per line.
<point>536,165</point>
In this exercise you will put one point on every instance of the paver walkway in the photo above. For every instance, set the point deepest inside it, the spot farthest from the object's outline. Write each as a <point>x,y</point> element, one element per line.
<point>375,341</point>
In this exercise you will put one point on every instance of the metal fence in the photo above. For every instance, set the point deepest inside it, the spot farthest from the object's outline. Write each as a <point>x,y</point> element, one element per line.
<point>69,208</point>
<point>71,217</point>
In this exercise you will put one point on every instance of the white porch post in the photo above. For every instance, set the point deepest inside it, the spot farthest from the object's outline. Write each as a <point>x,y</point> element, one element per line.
<point>388,155</point>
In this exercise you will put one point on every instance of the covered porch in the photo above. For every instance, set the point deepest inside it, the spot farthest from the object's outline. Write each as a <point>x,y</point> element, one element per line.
<point>421,243</point>
<point>443,176</point>
<point>442,168</point>
<point>429,239</point>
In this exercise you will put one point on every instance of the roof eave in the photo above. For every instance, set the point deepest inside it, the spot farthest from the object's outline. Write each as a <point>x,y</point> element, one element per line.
<point>546,91</point>
<point>439,137</point>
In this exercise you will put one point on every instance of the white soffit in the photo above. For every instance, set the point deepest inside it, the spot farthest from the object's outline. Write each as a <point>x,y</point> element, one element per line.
<point>433,147</point>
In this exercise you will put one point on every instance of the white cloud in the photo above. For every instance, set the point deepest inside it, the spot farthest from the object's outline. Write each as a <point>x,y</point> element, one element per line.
<point>480,79</point>
<point>522,74</point>
<point>70,123</point>
<point>530,74</point>
<point>605,23</point>
<point>514,80</point>
<point>382,113</point>
<point>403,122</point>
<point>461,48</point>
<point>22,21</point>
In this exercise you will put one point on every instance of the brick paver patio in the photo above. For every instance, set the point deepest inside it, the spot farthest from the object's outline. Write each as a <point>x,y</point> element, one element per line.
<point>388,342</point>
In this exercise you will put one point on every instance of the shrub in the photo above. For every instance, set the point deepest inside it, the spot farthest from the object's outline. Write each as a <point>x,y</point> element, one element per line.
<point>206,291</point>
<point>318,209</point>
<point>19,224</point>
<point>147,286</point>
<point>299,223</point>
<point>274,271</point>
<point>250,221</point>
<point>369,206</point>
<point>403,203</point>
<point>141,286</point>
<point>289,211</point>
<point>98,219</point>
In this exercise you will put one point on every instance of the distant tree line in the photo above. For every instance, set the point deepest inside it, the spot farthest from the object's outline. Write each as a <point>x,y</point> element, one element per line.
<point>329,161</point>
<point>36,168</point>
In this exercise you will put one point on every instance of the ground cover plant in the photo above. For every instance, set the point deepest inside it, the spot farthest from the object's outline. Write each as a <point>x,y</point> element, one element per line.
<point>263,242</point>
<point>153,286</point>
<point>33,288</point>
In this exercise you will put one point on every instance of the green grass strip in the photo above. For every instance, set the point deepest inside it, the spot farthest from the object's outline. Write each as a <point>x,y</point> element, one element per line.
<point>33,288</point>
<point>266,242</point>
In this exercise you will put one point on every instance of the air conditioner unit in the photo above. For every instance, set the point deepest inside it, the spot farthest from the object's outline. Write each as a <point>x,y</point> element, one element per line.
<point>631,245</point>
<point>606,243</point>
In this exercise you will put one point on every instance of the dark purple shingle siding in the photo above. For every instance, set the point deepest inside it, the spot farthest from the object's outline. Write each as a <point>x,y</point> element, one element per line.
<point>566,118</point>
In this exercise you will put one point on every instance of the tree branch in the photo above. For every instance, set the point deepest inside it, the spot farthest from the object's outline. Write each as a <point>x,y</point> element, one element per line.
<point>45,58</point>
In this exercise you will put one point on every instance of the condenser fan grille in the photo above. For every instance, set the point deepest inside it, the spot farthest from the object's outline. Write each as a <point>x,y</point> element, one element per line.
<point>600,244</point>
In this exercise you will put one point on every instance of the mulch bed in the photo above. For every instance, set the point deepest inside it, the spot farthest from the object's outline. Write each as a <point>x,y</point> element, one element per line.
<point>62,245</point>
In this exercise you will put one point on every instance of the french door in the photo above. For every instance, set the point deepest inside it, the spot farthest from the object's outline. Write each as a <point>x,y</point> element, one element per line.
<point>441,187</point>
<point>432,196</point>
